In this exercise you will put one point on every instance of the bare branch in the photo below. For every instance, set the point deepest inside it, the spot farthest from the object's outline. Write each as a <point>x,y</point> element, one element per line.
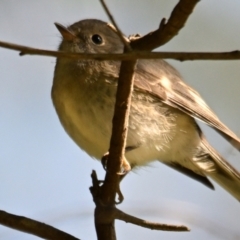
<point>120,122</point>
<point>33,227</point>
<point>152,225</point>
<point>119,130</point>
<point>181,56</point>
<point>122,106</point>
<point>105,215</point>
<point>166,31</point>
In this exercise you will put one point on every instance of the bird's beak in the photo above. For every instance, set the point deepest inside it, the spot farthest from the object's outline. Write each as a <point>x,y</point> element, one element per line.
<point>66,34</point>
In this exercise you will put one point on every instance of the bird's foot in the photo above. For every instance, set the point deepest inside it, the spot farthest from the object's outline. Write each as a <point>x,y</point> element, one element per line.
<point>125,166</point>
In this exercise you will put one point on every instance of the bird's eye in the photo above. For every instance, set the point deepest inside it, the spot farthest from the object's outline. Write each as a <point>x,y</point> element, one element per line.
<point>97,39</point>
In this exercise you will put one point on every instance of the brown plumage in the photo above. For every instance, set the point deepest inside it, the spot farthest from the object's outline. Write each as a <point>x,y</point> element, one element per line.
<point>162,122</point>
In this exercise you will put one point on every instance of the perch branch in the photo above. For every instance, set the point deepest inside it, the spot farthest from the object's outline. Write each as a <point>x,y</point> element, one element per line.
<point>119,122</point>
<point>181,56</point>
<point>121,113</point>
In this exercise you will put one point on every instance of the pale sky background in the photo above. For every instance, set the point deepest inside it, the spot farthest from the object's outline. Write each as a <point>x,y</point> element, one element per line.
<point>45,176</point>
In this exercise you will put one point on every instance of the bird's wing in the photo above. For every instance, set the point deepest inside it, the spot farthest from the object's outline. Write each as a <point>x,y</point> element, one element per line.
<point>158,78</point>
<point>188,172</point>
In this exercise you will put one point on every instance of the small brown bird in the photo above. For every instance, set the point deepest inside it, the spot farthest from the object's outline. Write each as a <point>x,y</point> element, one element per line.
<point>162,122</point>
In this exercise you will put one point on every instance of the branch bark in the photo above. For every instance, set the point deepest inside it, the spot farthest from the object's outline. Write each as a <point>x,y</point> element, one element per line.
<point>33,227</point>
<point>181,56</point>
<point>151,225</point>
<point>105,216</point>
<point>166,31</point>
<point>105,199</point>
<point>105,229</point>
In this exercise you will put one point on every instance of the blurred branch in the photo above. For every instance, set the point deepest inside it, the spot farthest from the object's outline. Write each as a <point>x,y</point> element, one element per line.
<point>181,56</point>
<point>33,227</point>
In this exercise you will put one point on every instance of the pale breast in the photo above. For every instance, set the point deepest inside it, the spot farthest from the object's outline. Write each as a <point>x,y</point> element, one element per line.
<point>161,132</point>
<point>86,116</point>
<point>157,131</point>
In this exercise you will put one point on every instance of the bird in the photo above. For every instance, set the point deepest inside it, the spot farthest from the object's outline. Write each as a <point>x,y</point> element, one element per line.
<point>163,113</point>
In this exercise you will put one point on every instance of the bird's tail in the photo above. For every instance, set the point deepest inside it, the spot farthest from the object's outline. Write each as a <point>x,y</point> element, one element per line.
<point>218,169</point>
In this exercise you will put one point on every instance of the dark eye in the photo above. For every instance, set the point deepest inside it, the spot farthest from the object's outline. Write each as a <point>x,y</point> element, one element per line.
<point>97,39</point>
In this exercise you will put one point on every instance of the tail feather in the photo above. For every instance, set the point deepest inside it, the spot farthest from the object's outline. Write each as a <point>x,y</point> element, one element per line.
<point>219,170</point>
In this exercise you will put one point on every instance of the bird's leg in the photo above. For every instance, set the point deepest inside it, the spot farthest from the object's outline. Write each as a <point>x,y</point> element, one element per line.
<point>125,168</point>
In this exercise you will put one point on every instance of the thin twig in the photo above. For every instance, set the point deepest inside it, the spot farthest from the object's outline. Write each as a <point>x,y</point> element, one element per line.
<point>152,225</point>
<point>33,227</point>
<point>117,29</point>
<point>181,56</point>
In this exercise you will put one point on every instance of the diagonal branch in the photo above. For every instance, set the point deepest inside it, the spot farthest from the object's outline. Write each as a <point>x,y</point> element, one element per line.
<point>151,225</point>
<point>166,31</point>
<point>117,29</point>
<point>33,227</point>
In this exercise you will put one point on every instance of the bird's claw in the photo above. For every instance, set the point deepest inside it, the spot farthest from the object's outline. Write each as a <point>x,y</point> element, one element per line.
<point>120,196</point>
<point>104,160</point>
<point>125,167</point>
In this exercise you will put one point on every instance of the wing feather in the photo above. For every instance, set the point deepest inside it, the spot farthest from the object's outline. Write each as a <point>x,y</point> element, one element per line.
<point>160,79</point>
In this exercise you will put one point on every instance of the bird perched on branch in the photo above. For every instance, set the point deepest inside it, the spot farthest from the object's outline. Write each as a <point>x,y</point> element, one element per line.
<point>162,117</point>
